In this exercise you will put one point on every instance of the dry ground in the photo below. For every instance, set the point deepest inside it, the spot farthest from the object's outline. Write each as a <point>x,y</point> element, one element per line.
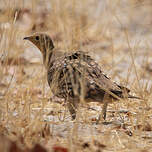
<point>116,33</point>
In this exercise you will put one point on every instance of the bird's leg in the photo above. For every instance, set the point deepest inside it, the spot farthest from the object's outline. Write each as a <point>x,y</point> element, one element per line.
<point>104,108</point>
<point>72,106</point>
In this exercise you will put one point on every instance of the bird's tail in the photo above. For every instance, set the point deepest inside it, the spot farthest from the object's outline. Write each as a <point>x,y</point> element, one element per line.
<point>134,97</point>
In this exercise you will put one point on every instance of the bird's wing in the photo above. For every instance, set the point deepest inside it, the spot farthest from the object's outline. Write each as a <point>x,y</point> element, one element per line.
<point>75,70</point>
<point>90,69</point>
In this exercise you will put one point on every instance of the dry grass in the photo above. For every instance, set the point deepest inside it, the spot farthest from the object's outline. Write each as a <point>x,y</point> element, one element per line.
<point>116,33</point>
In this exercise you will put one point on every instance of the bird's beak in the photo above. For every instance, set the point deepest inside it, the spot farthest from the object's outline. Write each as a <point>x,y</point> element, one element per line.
<point>26,38</point>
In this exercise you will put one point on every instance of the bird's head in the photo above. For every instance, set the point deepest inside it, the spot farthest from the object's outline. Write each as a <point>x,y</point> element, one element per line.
<point>42,41</point>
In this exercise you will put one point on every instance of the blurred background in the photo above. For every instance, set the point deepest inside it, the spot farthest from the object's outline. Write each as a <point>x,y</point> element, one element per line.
<point>116,33</point>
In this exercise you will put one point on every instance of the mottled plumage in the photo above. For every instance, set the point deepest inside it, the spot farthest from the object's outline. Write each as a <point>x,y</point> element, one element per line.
<point>76,76</point>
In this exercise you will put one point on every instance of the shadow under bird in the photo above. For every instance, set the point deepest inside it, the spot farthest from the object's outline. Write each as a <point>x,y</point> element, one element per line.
<point>77,77</point>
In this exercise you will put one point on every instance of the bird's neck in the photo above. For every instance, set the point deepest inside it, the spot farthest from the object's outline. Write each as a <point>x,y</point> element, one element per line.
<point>47,55</point>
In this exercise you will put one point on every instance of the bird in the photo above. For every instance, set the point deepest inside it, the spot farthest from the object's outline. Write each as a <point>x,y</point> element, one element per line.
<point>77,77</point>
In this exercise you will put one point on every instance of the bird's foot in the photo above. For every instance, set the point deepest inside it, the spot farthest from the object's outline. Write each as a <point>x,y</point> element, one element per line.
<point>101,118</point>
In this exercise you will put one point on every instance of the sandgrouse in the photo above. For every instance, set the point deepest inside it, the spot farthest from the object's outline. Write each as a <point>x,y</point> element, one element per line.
<point>77,77</point>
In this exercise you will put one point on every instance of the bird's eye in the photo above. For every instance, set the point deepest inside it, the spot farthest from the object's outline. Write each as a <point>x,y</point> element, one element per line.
<point>37,38</point>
